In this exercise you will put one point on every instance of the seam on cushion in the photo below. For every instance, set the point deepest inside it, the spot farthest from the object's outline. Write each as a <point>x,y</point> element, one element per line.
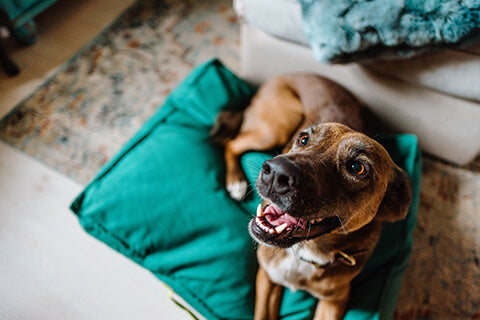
<point>190,80</point>
<point>179,288</point>
<point>139,140</point>
<point>244,88</point>
<point>182,282</point>
<point>97,230</point>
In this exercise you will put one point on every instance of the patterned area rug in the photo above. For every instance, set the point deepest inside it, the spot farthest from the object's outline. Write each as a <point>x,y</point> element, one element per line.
<point>81,117</point>
<point>443,278</point>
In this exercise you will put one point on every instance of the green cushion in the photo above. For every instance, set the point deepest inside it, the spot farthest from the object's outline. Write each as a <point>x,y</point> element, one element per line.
<point>162,202</point>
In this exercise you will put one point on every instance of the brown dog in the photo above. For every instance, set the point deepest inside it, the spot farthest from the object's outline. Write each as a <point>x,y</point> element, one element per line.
<point>323,201</point>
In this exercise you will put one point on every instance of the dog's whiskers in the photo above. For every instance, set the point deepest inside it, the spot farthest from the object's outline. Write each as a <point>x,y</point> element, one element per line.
<point>254,164</point>
<point>341,223</point>
<point>298,223</point>
<point>260,154</point>
<point>254,168</point>
<point>249,192</point>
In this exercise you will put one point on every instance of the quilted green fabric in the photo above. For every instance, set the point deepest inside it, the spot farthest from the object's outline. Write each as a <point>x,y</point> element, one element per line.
<point>162,202</point>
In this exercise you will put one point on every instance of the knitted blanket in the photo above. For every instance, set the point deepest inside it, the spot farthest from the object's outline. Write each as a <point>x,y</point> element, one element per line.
<point>342,31</point>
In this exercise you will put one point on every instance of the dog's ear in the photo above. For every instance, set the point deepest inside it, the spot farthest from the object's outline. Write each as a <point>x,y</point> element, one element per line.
<point>397,198</point>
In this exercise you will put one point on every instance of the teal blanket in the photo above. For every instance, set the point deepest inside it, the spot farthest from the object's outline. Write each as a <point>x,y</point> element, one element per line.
<point>342,31</point>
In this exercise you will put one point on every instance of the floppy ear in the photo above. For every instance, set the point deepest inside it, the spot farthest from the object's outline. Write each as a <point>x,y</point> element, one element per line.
<point>397,199</point>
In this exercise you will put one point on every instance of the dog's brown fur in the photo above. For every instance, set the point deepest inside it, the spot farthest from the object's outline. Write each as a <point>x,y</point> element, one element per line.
<point>318,184</point>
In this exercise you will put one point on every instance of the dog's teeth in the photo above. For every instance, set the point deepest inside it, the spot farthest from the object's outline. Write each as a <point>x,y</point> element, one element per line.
<point>282,227</point>
<point>262,225</point>
<point>313,221</point>
<point>259,210</point>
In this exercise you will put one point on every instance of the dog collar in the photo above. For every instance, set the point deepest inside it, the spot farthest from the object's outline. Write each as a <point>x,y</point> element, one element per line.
<point>340,256</point>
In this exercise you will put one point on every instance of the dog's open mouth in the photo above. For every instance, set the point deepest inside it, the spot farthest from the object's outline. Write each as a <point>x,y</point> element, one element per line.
<point>275,227</point>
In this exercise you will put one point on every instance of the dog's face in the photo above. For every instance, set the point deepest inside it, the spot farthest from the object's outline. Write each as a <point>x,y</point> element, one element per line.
<point>333,180</point>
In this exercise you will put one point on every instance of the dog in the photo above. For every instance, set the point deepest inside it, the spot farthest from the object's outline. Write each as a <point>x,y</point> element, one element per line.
<point>324,199</point>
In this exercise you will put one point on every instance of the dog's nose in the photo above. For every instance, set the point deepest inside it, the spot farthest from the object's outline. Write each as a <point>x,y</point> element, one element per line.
<point>280,174</point>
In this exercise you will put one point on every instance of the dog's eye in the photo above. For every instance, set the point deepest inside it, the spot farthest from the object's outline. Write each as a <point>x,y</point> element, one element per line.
<point>357,168</point>
<point>303,139</point>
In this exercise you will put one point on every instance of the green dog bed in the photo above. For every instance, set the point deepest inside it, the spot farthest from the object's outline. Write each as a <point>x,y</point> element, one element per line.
<point>162,203</point>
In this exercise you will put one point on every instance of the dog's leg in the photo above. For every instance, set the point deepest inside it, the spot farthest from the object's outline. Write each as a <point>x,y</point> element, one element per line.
<point>235,178</point>
<point>333,307</point>
<point>268,297</point>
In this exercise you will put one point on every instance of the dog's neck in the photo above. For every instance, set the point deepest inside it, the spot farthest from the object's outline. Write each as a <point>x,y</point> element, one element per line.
<point>326,249</point>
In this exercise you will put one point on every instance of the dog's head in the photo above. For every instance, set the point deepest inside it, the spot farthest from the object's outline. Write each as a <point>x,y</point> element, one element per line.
<point>333,180</point>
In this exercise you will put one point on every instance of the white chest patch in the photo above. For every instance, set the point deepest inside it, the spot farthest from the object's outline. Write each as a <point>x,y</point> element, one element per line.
<point>294,268</point>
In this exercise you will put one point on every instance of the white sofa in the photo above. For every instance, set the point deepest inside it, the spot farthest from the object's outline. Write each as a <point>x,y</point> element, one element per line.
<point>434,96</point>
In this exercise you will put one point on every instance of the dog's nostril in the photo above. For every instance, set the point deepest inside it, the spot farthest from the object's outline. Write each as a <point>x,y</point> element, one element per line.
<point>266,168</point>
<point>283,181</point>
<point>266,174</point>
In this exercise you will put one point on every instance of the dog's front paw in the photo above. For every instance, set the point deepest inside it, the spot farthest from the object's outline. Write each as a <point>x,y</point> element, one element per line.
<point>237,189</point>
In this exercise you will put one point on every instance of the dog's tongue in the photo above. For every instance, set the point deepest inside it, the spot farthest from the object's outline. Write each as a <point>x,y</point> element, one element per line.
<point>276,217</point>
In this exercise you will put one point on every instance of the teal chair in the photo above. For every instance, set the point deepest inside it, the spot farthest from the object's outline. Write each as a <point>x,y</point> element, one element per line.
<point>18,16</point>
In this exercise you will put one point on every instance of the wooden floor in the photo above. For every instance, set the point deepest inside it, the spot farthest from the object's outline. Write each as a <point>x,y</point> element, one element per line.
<point>50,268</point>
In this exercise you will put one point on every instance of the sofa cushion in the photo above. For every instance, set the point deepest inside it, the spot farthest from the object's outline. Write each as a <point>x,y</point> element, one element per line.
<point>280,18</point>
<point>455,72</point>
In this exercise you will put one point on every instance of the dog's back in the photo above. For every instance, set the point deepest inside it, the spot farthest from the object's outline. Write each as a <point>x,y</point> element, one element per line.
<point>281,108</point>
<point>325,101</point>
<point>287,103</point>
